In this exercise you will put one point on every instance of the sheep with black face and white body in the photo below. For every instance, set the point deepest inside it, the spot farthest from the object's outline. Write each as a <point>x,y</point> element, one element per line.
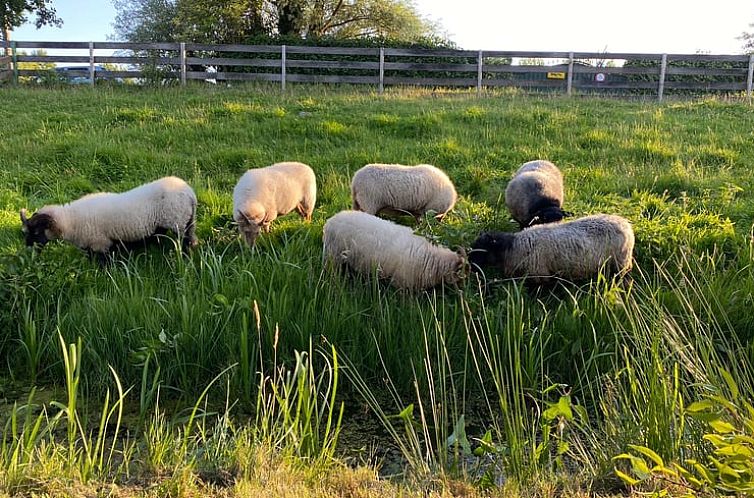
<point>263,194</point>
<point>396,188</point>
<point>535,194</point>
<point>364,242</point>
<point>573,250</point>
<point>96,222</point>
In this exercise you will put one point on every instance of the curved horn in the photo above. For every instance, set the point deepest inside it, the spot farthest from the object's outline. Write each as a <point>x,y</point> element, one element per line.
<point>24,219</point>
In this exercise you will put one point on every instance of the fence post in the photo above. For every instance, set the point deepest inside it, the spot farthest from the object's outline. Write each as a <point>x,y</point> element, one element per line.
<point>282,68</point>
<point>750,77</point>
<point>569,80</point>
<point>183,63</point>
<point>382,70</point>
<point>91,63</point>
<point>479,62</point>
<point>661,85</point>
<point>14,59</point>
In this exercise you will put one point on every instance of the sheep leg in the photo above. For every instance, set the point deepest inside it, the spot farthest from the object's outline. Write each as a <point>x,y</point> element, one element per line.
<point>266,226</point>
<point>189,239</point>
<point>103,258</point>
<point>305,211</point>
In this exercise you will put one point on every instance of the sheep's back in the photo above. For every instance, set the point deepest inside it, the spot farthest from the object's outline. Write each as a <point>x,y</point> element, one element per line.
<point>575,249</point>
<point>533,182</point>
<point>365,242</point>
<point>278,187</point>
<point>397,186</point>
<point>134,214</point>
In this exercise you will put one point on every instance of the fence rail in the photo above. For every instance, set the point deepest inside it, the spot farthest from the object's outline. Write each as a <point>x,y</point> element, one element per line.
<point>649,74</point>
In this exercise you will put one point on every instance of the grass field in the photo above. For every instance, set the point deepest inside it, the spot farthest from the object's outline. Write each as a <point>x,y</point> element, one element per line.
<point>546,386</point>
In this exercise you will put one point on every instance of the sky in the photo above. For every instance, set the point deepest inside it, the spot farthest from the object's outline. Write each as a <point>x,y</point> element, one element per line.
<point>650,26</point>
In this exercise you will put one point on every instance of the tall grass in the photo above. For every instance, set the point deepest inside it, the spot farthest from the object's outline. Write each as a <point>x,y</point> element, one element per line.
<point>493,382</point>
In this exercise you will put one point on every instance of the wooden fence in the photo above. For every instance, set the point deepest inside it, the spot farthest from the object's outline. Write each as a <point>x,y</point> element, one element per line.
<point>583,72</point>
<point>6,71</point>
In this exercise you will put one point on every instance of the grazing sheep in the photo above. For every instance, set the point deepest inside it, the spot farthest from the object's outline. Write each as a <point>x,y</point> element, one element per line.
<point>364,242</point>
<point>263,194</point>
<point>535,194</point>
<point>573,250</point>
<point>404,189</point>
<point>96,222</point>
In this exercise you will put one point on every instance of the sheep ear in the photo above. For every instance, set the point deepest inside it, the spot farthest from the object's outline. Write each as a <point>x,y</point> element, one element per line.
<point>24,219</point>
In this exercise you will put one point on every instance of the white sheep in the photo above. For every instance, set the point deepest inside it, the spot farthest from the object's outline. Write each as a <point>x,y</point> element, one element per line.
<point>573,250</point>
<point>364,242</point>
<point>402,189</point>
<point>96,222</point>
<point>263,194</point>
<point>535,194</point>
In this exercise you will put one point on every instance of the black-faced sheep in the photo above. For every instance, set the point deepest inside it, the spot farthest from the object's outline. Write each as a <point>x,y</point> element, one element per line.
<point>411,190</point>
<point>263,194</point>
<point>535,194</point>
<point>364,243</point>
<point>96,222</point>
<point>573,250</point>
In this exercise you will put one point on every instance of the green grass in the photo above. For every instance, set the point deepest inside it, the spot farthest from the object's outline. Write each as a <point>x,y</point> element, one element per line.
<point>627,358</point>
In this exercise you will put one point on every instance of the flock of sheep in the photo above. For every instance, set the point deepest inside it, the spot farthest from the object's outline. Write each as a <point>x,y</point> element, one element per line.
<point>545,248</point>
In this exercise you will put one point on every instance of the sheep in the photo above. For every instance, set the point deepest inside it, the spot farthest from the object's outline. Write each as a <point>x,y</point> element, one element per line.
<point>535,194</point>
<point>364,242</point>
<point>573,250</point>
<point>95,222</point>
<point>263,194</point>
<point>402,189</point>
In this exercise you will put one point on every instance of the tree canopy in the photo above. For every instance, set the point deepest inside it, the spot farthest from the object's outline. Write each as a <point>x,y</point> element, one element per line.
<point>14,13</point>
<point>748,39</point>
<point>233,21</point>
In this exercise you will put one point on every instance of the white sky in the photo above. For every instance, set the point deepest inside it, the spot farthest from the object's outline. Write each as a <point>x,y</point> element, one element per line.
<point>652,26</point>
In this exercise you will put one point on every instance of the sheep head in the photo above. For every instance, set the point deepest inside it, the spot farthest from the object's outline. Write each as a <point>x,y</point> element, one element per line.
<point>39,229</point>
<point>549,215</point>
<point>250,224</point>
<point>490,249</point>
<point>460,269</point>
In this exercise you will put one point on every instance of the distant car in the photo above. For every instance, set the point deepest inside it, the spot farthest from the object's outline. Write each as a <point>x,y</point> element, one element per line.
<point>79,75</point>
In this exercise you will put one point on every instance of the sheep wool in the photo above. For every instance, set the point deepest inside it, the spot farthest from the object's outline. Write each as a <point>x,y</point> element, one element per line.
<point>263,194</point>
<point>97,221</point>
<point>573,250</point>
<point>411,190</point>
<point>535,194</point>
<point>364,242</point>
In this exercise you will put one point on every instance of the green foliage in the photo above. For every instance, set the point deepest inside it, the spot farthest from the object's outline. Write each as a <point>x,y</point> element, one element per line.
<point>14,13</point>
<point>728,467</point>
<point>728,72</point>
<point>233,21</point>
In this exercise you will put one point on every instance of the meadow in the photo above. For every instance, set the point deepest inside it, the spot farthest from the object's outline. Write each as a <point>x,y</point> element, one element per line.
<point>245,372</point>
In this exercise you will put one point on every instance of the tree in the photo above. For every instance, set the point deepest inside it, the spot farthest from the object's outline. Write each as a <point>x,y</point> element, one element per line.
<point>14,13</point>
<point>234,21</point>
<point>145,20</point>
<point>748,39</point>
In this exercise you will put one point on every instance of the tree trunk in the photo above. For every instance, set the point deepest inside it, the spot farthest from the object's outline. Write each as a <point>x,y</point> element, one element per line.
<point>289,18</point>
<point>6,40</point>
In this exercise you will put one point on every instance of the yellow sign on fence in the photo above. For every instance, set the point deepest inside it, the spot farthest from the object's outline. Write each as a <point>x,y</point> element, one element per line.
<point>556,76</point>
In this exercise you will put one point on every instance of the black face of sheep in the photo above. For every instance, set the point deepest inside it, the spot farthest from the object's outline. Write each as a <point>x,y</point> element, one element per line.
<point>36,228</point>
<point>549,215</point>
<point>490,248</point>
